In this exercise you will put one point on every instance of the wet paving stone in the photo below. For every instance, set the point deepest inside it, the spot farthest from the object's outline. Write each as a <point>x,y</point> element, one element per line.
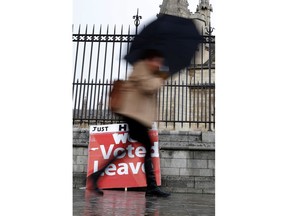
<point>125,203</point>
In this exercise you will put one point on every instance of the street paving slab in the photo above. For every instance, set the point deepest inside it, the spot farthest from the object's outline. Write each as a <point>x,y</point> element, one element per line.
<point>120,202</point>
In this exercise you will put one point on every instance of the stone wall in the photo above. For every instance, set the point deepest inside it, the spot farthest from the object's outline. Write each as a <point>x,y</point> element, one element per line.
<point>187,160</point>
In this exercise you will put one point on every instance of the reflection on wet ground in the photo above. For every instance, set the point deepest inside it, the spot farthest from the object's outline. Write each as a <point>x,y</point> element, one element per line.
<point>118,203</point>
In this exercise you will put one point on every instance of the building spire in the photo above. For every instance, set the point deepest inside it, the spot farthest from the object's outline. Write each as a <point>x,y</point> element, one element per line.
<point>203,9</point>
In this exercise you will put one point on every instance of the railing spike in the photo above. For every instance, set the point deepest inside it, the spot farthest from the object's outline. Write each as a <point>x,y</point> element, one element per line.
<point>100,30</point>
<point>79,28</point>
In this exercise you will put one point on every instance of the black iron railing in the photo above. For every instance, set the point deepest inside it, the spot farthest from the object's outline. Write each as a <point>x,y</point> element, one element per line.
<point>186,100</point>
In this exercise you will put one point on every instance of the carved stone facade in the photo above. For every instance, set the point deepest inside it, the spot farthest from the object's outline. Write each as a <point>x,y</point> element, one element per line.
<point>180,8</point>
<point>176,8</point>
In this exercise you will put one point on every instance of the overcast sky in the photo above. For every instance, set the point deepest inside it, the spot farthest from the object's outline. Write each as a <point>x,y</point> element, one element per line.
<point>121,11</point>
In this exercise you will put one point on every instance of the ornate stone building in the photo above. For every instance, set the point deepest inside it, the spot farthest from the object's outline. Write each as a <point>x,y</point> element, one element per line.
<point>180,8</point>
<point>176,8</point>
<point>201,73</point>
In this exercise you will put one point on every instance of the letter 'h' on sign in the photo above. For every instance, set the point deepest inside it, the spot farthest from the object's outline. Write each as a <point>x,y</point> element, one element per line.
<point>128,169</point>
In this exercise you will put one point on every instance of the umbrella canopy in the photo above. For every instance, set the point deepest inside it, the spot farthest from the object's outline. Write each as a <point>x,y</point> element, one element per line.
<point>175,37</point>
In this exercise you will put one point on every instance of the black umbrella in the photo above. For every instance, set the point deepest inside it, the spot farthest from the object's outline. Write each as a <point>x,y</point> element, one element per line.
<point>175,37</point>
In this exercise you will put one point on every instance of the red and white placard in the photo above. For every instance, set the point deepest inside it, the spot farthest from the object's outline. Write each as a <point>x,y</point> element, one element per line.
<point>106,142</point>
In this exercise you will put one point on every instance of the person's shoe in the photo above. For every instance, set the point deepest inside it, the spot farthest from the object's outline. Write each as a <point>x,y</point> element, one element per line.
<point>156,192</point>
<point>97,190</point>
